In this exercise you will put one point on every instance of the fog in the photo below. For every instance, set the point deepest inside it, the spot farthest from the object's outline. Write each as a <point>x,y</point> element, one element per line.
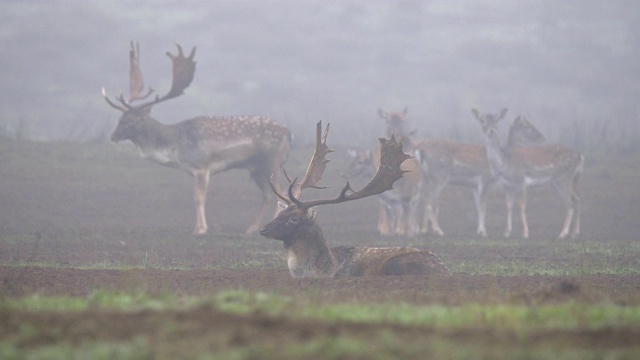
<point>570,66</point>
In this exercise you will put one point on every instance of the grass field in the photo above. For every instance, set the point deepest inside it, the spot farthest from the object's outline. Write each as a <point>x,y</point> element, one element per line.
<point>97,261</point>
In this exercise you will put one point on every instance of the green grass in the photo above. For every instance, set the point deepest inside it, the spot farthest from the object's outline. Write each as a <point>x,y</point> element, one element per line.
<point>494,257</point>
<point>514,330</point>
<point>567,315</point>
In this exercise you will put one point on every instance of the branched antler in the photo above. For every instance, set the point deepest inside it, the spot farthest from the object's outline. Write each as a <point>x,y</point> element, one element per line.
<point>183,71</point>
<point>315,169</point>
<point>391,157</point>
<point>136,80</point>
<point>318,162</point>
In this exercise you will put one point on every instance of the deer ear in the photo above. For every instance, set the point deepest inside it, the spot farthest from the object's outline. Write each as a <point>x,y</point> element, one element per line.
<point>503,112</point>
<point>312,212</point>
<point>282,205</point>
<point>476,114</point>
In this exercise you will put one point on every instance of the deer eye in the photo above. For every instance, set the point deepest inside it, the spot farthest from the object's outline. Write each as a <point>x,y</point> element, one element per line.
<point>293,220</point>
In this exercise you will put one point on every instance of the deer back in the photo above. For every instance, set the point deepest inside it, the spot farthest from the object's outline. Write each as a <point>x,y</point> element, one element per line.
<point>226,142</point>
<point>540,163</point>
<point>364,261</point>
<point>452,158</point>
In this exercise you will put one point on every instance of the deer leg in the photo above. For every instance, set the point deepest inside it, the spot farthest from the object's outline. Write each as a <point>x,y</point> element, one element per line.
<point>481,207</point>
<point>383,220</point>
<point>400,218</point>
<point>572,202</point>
<point>433,194</point>
<point>522,202</point>
<point>578,206</point>
<point>424,227</point>
<point>200,194</point>
<point>566,224</point>
<point>575,196</point>
<point>263,184</point>
<point>509,203</point>
<point>413,225</point>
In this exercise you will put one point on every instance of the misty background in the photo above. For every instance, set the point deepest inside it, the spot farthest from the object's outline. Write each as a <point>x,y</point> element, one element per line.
<point>570,66</point>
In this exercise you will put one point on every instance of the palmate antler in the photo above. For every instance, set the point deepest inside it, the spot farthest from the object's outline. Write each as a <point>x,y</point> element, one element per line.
<point>316,166</point>
<point>391,157</point>
<point>136,80</point>
<point>183,71</point>
<point>315,169</point>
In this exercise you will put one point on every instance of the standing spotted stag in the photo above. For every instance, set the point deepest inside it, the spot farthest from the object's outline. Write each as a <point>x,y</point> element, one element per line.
<point>308,254</point>
<point>520,167</point>
<point>201,145</point>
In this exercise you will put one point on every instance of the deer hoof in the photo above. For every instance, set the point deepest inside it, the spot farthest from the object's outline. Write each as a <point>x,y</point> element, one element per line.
<point>199,231</point>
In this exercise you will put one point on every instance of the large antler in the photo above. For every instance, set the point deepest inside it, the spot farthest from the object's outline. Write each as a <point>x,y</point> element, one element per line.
<point>183,71</point>
<point>316,167</point>
<point>391,157</point>
<point>136,80</point>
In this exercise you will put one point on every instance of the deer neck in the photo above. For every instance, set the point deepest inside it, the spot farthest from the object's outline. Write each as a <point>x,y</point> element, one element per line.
<point>516,139</point>
<point>308,254</point>
<point>495,155</point>
<point>156,141</point>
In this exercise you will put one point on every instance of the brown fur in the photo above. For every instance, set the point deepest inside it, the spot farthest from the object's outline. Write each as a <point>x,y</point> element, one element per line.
<point>309,256</point>
<point>209,145</point>
<point>202,145</point>
<point>520,167</point>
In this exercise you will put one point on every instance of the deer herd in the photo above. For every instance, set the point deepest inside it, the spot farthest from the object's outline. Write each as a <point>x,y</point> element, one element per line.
<point>407,175</point>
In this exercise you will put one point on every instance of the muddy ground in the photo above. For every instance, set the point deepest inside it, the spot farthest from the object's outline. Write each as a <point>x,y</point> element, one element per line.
<point>78,218</point>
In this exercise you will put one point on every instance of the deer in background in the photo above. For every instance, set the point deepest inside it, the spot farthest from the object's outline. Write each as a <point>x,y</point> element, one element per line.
<point>399,206</point>
<point>520,167</point>
<point>201,145</point>
<point>308,254</point>
<point>447,162</point>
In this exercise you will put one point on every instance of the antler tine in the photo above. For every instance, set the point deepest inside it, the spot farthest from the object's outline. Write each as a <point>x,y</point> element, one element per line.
<point>183,71</point>
<point>277,192</point>
<point>106,97</point>
<point>391,157</point>
<point>317,165</point>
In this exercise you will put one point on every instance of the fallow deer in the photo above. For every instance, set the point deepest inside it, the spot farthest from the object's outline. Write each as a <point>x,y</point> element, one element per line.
<point>399,206</point>
<point>201,145</point>
<point>308,254</point>
<point>520,167</point>
<point>446,162</point>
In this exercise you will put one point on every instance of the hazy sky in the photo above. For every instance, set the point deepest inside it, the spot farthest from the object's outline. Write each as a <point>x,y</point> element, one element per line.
<point>562,63</point>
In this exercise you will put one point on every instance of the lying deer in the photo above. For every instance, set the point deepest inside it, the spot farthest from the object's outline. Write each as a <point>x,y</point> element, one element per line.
<point>202,145</point>
<point>308,254</point>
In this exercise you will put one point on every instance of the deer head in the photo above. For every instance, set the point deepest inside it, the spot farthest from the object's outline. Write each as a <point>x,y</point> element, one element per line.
<point>298,218</point>
<point>488,121</point>
<point>361,164</point>
<point>522,133</point>
<point>394,120</point>
<point>133,117</point>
